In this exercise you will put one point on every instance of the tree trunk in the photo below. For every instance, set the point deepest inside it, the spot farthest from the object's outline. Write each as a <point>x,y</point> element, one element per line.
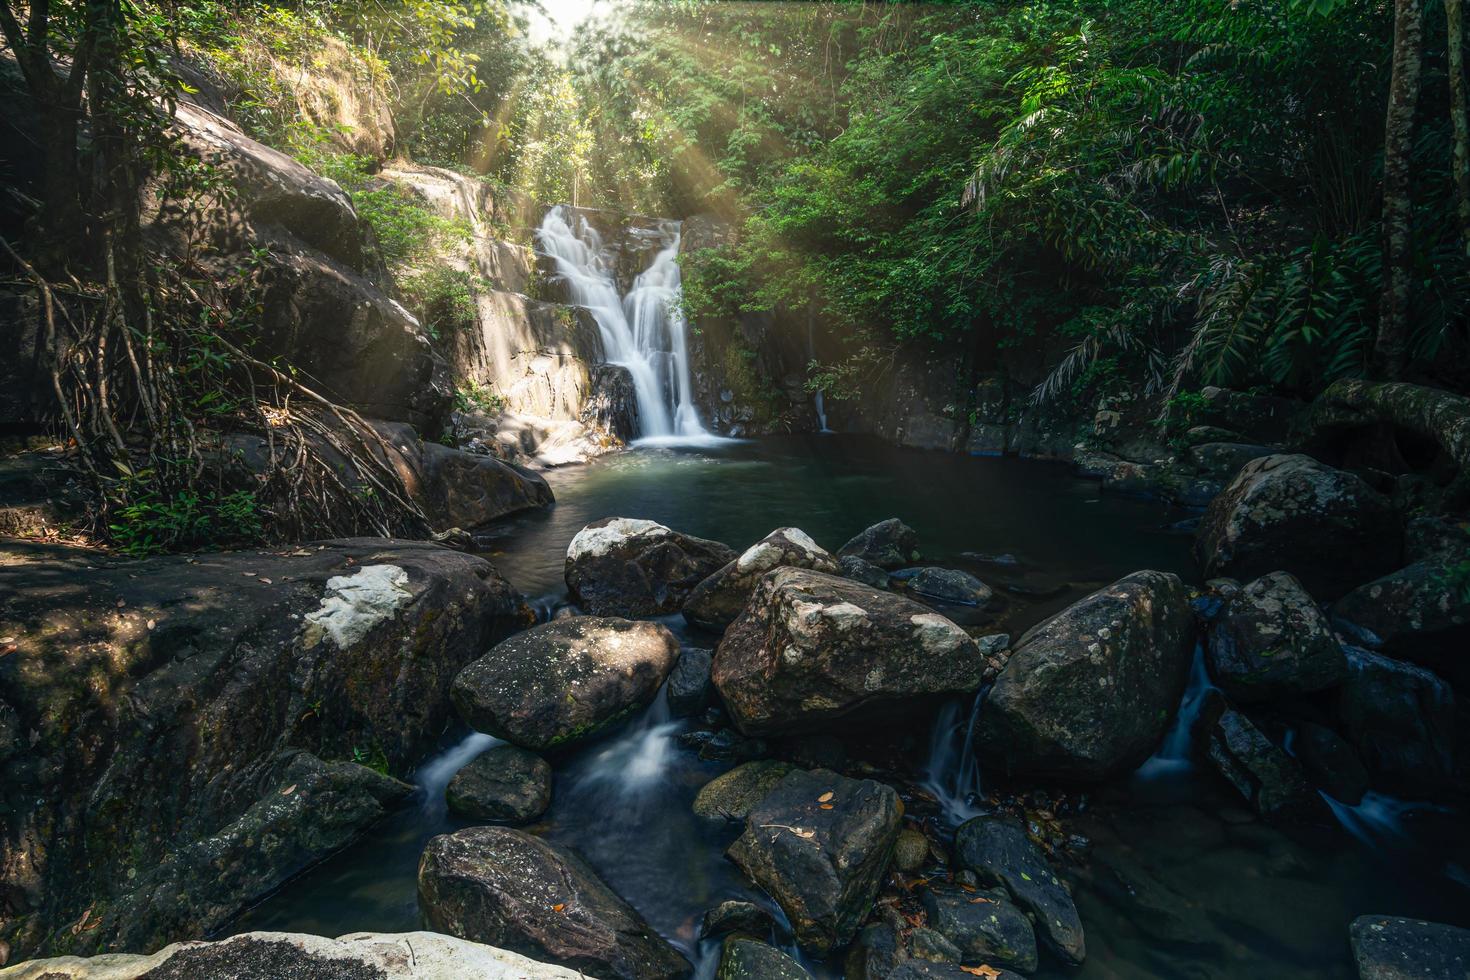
<point>1392,348</point>
<point>1456,47</point>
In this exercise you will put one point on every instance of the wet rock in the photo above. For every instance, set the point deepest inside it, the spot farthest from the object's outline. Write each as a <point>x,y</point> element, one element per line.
<point>725,745</point>
<point>623,566</point>
<point>819,844</point>
<point>812,647</point>
<point>505,784</point>
<point>1390,948</point>
<point>1292,513</point>
<point>911,850</point>
<point>1272,641</point>
<point>1271,780</point>
<point>715,602</point>
<point>1089,693</point>
<point>952,586</point>
<point>862,571</point>
<point>927,944</point>
<point>888,544</point>
<point>985,926</point>
<point>1419,613</point>
<point>202,668</point>
<point>875,954</point>
<point>259,955</point>
<point>1401,719</point>
<point>748,959</point>
<point>999,852</point>
<point>817,750</point>
<point>736,916</point>
<point>509,889</point>
<point>730,797</point>
<point>1330,763</point>
<point>1427,538</point>
<point>690,690</point>
<point>565,681</point>
<point>612,402</point>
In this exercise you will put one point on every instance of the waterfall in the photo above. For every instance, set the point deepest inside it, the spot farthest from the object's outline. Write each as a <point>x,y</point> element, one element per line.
<point>434,775</point>
<point>1174,756</point>
<point>643,331</point>
<point>953,773</point>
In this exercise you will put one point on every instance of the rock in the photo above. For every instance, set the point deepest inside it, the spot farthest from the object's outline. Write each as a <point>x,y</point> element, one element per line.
<point>1272,641</point>
<point>1391,948</point>
<point>612,403</point>
<point>815,750</point>
<point>888,544</point>
<point>730,797</point>
<point>566,680</point>
<point>504,784</point>
<point>927,944</point>
<point>911,850</point>
<point>1222,460</point>
<point>1427,538</point>
<point>1292,513</point>
<point>1331,763</point>
<point>725,745</point>
<point>252,955</point>
<point>690,689</point>
<point>924,970</point>
<point>819,844</point>
<point>875,954</point>
<point>736,916</point>
<point>748,959</point>
<point>812,647</point>
<point>460,489</point>
<point>862,571</point>
<point>622,566</point>
<point>203,668</point>
<point>1270,780</point>
<point>952,586</point>
<point>999,852</point>
<point>1268,418</point>
<point>509,889</point>
<point>715,602</point>
<point>994,645</point>
<point>1419,613</point>
<point>985,926</point>
<point>1089,693</point>
<point>1401,719</point>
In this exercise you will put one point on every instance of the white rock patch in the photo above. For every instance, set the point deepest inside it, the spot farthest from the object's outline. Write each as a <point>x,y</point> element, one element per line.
<point>937,634</point>
<point>354,604</point>
<point>591,541</point>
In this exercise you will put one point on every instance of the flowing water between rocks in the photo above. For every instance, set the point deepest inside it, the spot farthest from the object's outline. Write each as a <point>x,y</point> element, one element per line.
<point>1181,880</point>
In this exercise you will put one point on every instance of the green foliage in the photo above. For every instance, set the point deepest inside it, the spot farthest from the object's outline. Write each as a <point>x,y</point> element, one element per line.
<point>372,756</point>
<point>150,517</point>
<point>473,396</point>
<point>443,297</point>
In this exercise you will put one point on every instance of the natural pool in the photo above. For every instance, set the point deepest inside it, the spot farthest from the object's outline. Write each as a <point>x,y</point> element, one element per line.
<point>1181,880</point>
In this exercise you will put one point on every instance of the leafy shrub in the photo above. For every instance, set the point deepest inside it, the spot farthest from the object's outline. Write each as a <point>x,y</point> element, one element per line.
<point>149,521</point>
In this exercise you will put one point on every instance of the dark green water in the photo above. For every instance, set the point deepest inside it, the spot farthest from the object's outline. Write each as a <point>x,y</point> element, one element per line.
<point>1181,882</point>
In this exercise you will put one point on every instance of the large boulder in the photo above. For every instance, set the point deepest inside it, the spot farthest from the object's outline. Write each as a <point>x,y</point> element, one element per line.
<point>1289,512</point>
<point>1272,641</point>
<point>999,852</point>
<point>1270,780</point>
<point>504,784</point>
<point>460,489</point>
<point>730,796</point>
<point>1401,718</point>
<point>1419,613</point>
<point>950,585</point>
<point>566,680</point>
<point>262,955</point>
<point>690,690</point>
<point>819,844</point>
<point>209,669</point>
<point>1089,693</point>
<point>888,544</point>
<point>719,599</point>
<point>623,566</point>
<point>1387,947</point>
<point>506,888</point>
<point>812,647</point>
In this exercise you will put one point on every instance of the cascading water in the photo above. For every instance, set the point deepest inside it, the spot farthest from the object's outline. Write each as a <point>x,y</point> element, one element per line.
<point>643,331</point>
<point>953,771</point>
<point>434,775</point>
<point>1174,756</point>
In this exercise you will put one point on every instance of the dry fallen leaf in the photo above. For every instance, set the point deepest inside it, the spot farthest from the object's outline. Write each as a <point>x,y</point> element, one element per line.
<point>826,806</point>
<point>7,639</point>
<point>8,648</point>
<point>151,623</point>
<point>981,971</point>
<point>978,900</point>
<point>558,906</point>
<point>265,580</point>
<point>825,797</point>
<point>289,790</point>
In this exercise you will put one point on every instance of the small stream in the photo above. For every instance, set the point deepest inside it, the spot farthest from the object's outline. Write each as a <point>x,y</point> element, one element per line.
<point>1180,879</point>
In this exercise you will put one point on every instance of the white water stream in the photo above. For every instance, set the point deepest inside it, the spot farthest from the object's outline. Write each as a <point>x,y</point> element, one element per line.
<point>643,331</point>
